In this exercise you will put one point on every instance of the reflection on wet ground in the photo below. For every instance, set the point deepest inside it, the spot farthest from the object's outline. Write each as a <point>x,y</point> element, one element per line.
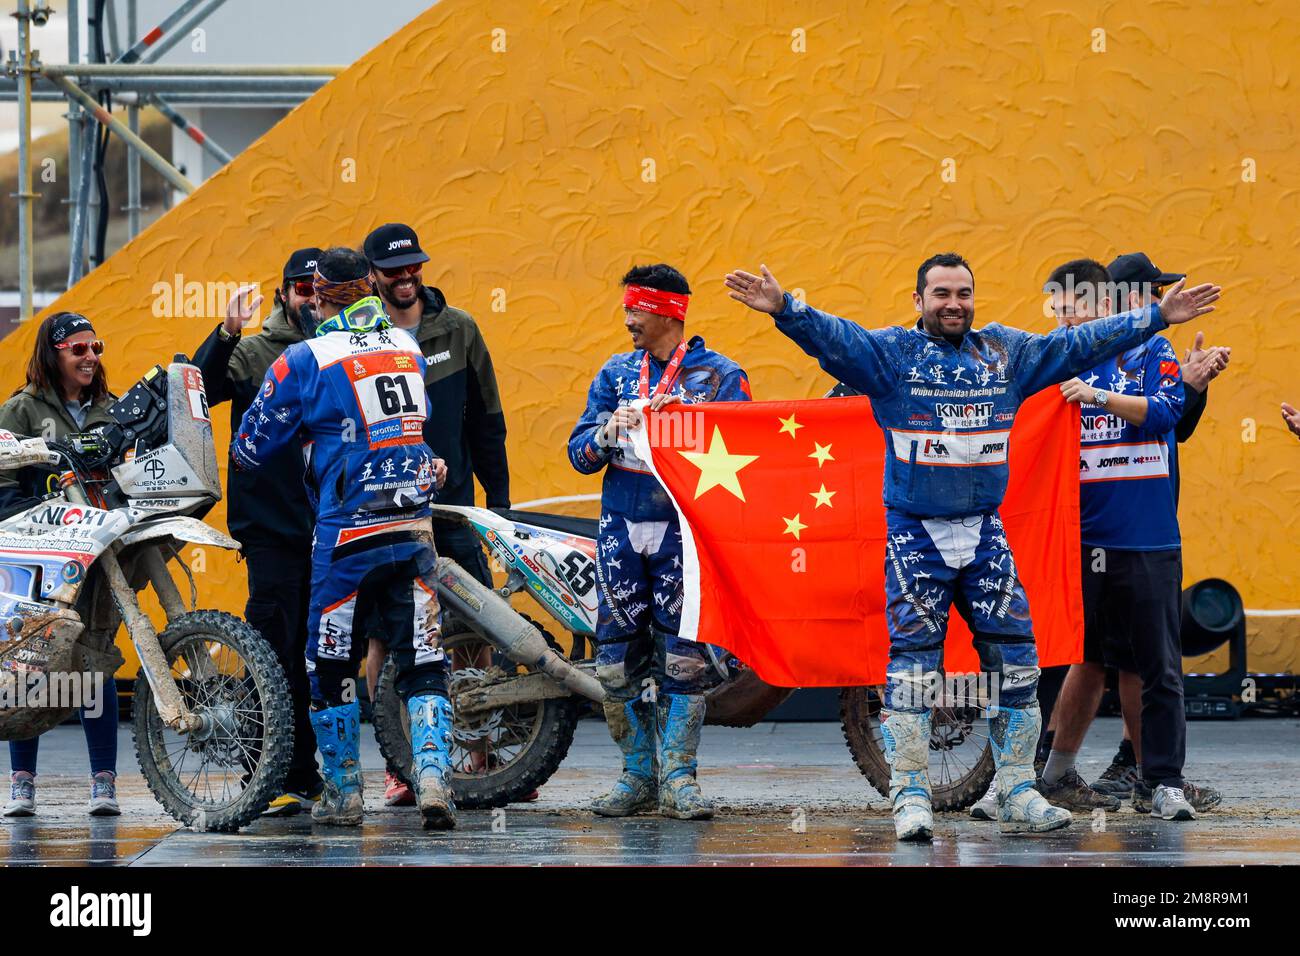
<point>791,796</point>
<point>534,838</point>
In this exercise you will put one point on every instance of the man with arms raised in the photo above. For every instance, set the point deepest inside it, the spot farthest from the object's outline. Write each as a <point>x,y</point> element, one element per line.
<point>946,395</point>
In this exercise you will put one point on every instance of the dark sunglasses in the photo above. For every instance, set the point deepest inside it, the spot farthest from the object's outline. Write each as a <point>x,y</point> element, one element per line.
<point>397,271</point>
<point>79,349</point>
<point>303,287</point>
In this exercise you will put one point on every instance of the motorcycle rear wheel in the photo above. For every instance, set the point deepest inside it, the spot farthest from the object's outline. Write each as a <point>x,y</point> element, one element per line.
<point>521,745</point>
<point>225,779</point>
<point>961,759</point>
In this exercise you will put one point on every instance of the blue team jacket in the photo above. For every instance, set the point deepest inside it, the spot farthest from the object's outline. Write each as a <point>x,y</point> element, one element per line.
<point>356,403</point>
<point>947,410</point>
<point>1126,495</point>
<point>629,488</point>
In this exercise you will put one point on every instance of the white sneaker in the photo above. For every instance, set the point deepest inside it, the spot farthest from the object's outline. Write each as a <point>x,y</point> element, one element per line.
<point>22,795</point>
<point>1170,803</point>
<point>986,807</point>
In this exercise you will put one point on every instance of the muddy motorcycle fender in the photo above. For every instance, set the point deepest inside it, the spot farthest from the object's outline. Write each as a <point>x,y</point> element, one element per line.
<point>492,617</point>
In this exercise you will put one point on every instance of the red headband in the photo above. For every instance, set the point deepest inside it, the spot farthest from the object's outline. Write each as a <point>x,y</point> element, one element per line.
<point>656,301</point>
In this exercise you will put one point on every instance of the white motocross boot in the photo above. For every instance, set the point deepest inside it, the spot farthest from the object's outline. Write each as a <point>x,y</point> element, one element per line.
<point>1021,808</point>
<point>907,747</point>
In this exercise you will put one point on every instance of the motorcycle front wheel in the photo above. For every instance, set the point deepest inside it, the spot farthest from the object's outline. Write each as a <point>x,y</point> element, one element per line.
<point>223,776</point>
<point>497,757</point>
<point>961,758</point>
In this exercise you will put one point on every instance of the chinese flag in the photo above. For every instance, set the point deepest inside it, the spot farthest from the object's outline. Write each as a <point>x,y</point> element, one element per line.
<point>783,533</point>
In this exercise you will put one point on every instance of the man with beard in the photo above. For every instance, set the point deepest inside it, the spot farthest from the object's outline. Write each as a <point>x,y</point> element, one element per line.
<point>268,511</point>
<point>946,396</point>
<point>466,426</point>
<point>654,680</point>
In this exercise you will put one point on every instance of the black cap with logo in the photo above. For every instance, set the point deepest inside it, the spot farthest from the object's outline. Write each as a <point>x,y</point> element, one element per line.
<point>302,264</point>
<point>393,244</point>
<point>1135,267</point>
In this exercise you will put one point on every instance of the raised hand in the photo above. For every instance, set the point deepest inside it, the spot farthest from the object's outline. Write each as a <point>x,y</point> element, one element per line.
<point>1203,365</point>
<point>761,293</point>
<point>1182,305</point>
<point>1292,418</point>
<point>241,309</point>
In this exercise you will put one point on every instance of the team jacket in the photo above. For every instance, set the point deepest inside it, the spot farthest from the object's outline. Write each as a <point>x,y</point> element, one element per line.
<point>630,489</point>
<point>268,506</point>
<point>469,431</point>
<point>355,402</point>
<point>947,410</point>
<point>1126,495</point>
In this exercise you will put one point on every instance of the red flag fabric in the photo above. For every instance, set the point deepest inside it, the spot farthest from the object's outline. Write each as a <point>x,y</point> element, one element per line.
<point>783,533</point>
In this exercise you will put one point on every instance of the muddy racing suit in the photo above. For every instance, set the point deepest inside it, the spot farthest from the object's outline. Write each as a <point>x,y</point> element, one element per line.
<point>355,400</point>
<point>639,550</point>
<point>947,412</point>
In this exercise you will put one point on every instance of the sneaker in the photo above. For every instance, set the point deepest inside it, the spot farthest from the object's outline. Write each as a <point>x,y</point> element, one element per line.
<point>1117,780</point>
<point>1200,798</point>
<point>293,802</point>
<point>103,795</point>
<point>1072,793</point>
<point>397,793</point>
<point>22,795</point>
<point>986,807</point>
<point>1170,803</point>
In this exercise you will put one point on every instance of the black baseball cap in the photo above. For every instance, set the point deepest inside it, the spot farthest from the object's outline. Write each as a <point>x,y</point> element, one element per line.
<point>301,265</point>
<point>1136,267</point>
<point>393,244</point>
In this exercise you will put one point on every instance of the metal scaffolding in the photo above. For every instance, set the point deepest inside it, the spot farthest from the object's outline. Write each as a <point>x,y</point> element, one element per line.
<point>134,79</point>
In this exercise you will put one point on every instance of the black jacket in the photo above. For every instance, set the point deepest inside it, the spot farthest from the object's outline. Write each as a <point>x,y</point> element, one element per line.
<point>466,426</point>
<point>267,507</point>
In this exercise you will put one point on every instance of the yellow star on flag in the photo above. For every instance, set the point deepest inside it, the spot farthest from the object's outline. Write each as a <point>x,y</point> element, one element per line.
<point>793,526</point>
<point>822,453</point>
<point>718,466</point>
<point>788,426</point>
<point>823,497</point>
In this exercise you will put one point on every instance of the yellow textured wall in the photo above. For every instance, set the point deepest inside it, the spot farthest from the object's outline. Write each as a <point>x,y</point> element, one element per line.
<point>526,171</point>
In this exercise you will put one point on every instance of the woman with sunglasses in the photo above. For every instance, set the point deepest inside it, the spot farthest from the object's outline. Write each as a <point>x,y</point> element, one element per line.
<point>66,392</point>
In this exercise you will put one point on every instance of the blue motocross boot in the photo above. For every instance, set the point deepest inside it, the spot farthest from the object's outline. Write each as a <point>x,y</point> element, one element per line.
<point>338,735</point>
<point>629,724</point>
<point>907,748</point>
<point>1013,732</point>
<point>680,718</point>
<point>431,760</point>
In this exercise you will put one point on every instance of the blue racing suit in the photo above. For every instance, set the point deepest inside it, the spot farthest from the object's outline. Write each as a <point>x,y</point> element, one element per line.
<point>355,399</point>
<point>946,411</point>
<point>639,560</point>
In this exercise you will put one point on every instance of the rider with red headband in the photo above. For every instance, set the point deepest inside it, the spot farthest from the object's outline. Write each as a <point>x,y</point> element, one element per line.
<point>649,673</point>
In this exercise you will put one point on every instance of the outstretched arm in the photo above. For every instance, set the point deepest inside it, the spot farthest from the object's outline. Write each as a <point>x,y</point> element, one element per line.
<point>1043,360</point>
<point>846,350</point>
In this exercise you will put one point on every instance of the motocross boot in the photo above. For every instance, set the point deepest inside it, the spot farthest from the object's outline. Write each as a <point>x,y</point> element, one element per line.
<point>338,735</point>
<point>629,724</point>
<point>431,760</point>
<point>907,748</point>
<point>680,720</point>
<point>1013,732</point>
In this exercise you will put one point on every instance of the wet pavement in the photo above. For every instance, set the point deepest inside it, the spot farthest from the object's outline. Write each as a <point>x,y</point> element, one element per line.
<point>790,795</point>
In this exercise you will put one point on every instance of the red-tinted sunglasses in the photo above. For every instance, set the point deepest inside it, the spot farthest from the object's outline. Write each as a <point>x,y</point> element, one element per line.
<point>304,287</point>
<point>397,271</point>
<point>79,348</point>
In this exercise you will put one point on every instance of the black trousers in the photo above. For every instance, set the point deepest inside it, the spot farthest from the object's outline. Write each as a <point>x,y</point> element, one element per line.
<point>279,586</point>
<point>1132,610</point>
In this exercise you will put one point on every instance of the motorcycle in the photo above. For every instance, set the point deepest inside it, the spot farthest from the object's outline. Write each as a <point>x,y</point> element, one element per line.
<point>517,696</point>
<point>211,717</point>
